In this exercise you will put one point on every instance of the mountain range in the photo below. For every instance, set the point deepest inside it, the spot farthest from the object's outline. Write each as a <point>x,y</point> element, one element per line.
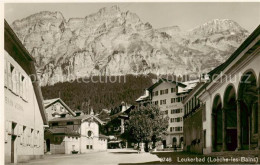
<point>115,42</point>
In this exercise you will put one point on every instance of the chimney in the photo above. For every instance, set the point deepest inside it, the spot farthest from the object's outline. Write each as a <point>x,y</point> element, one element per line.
<point>123,106</point>
<point>91,112</point>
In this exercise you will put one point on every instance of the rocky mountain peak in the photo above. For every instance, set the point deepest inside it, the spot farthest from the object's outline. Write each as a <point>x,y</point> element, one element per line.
<point>115,42</point>
<point>218,26</point>
<point>171,30</point>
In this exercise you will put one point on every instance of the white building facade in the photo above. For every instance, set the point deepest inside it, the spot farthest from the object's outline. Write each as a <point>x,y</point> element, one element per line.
<point>165,94</point>
<point>24,112</point>
<point>75,134</point>
<point>231,119</point>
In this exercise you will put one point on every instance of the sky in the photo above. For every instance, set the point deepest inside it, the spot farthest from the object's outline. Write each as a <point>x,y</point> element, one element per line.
<point>186,15</point>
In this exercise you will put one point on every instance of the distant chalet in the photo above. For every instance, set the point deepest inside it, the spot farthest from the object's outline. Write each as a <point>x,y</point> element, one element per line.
<point>72,132</point>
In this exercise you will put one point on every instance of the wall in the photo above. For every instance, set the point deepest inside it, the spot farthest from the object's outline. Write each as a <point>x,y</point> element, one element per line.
<point>93,139</point>
<point>238,69</point>
<point>27,115</point>
<point>193,134</point>
<point>169,106</point>
<point>70,142</point>
<point>57,107</point>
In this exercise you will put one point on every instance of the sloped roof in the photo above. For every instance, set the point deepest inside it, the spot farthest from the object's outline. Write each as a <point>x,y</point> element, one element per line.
<point>103,136</point>
<point>165,80</point>
<point>62,131</point>
<point>143,97</point>
<point>73,118</point>
<point>49,102</point>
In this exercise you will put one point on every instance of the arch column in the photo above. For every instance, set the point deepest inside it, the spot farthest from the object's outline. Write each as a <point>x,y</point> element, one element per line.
<point>238,126</point>
<point>224,131</point>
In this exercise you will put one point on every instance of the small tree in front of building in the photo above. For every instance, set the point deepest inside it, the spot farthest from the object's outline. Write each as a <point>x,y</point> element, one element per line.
<point>147,124</point>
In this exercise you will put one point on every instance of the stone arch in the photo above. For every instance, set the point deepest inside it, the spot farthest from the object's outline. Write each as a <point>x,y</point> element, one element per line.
<point>248,110</point>
<point>217,123</point>
<point>230,118</point>
<point>241,78</point>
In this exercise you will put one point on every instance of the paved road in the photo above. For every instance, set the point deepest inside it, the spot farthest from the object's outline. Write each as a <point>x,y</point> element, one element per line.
<point>95,158</point>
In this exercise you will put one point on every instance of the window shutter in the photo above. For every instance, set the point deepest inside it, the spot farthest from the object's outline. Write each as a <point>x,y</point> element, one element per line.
<point>26,136</point>
<point>10,85</point>
<point>20,130</point>
<point>24,89</point>
<point>21,139</point>
<point>9,127</point>
<point>29,137</point>
<point>17,79</point>
<point>21,85</point>
<point>27,88</point>
<point>14,81</point>
<point>6,136</point>
<point>6,74</point>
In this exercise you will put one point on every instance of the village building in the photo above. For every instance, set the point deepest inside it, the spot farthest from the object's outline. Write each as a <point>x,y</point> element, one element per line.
<point>229,104</point>
<point>70,134</point>
<point>24,111</point>
<point>168,95</point>
<point>116,126</point>
<point>192,121</point>
<point>55,107</point>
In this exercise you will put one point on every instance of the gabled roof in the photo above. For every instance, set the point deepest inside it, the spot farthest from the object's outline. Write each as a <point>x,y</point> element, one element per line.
<point>165,80</point>
<point>48,103</point>
<point>79,118</point>
<point>122,114</point>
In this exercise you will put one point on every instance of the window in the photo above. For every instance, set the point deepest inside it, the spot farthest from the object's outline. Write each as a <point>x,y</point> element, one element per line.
<point>166,91</point>
<point>70,123</point>
<point>161,92</point>
<point>178,119</point>
<point>55,124</point>
<point>156,103</point>
<point>204,138</point>
<point>178,129</point>
<point>172,120</point>
<point>6,73</point>
<point>90,147</point>
<point>162,102</point>
<point>87,146</point>
<point>173,100</point>
<point>171,129</point>
<point>156,93</point>
<point>166,112</point>
<point>173,90</point>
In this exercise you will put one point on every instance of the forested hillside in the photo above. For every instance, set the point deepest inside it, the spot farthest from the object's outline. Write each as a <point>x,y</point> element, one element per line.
<point>98,93</point>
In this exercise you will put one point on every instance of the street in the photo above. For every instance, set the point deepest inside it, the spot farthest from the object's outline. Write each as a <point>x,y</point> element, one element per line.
<point>94,158</point>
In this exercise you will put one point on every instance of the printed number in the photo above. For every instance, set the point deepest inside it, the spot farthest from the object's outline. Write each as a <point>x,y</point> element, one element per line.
<point>166,159</point>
